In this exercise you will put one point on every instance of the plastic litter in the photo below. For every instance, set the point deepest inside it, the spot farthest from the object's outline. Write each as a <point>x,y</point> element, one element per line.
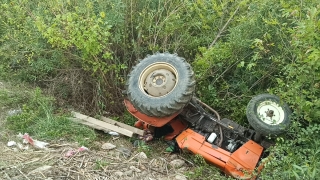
<point>113,133</point>
<point>170,149</point>
<point>82,148</point>
<point>73,152</point>
<point>70,153</point>
<point>11,143</point>
<point>35,143</point>
<point>21,147</point>
<point>14,112</point>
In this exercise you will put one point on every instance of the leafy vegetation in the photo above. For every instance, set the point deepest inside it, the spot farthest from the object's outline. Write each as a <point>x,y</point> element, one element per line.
<point>296,157</point>
<point>81,51</point>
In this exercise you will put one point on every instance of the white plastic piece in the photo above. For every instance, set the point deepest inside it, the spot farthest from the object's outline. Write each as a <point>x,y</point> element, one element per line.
<point>21,147</point>
<point>113,133</point>
<point>212,137</point>
<point>14,112</point>
<point>35,143</point>
<point>40,144</point>
<point>11,143</point>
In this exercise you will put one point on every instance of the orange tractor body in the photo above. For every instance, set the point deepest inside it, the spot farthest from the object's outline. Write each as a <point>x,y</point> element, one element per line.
<point>241,164</point>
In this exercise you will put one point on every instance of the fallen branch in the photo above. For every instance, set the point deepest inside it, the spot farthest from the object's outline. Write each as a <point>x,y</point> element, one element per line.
<point>222,29</point>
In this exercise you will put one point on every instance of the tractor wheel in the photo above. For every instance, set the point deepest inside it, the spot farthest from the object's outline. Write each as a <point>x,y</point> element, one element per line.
<point>160,85</point>
<point>267,115</point>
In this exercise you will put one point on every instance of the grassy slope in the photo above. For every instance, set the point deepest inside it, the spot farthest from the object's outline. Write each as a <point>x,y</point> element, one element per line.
<point>42,121</point>
<point>38,117</point>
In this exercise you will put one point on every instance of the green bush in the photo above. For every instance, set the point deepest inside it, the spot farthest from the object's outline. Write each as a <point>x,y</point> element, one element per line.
<point>296,158</point>
<point>241,64</point>
<point>272,48</point>
<point>299,84</point>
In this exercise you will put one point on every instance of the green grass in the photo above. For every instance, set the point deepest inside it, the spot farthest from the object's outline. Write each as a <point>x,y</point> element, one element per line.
<point>12,99</point>
<point>38,117</point>
<point>100,164</point>
<point>127,118</point>
<point>203,170</point>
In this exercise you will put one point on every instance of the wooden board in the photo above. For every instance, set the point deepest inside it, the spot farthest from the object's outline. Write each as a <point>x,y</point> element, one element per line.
<point>102,124</point>
<point>90,124</point>
<point>125,126</point>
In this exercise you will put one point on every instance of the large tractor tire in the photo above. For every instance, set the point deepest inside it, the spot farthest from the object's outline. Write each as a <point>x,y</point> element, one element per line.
<point>268,115</point>
<point>160,85</point>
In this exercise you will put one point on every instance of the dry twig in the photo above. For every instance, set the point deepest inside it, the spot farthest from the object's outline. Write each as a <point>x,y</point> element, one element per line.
<point>22,173</point>
<point>223,28</point>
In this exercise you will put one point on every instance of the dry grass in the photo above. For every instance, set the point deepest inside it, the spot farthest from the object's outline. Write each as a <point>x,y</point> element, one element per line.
<point>79,89</point>
<point>92,164</point>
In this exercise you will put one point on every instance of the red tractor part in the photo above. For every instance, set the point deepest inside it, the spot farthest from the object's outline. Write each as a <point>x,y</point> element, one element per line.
<point>153,121</point>
<point>144,121</point>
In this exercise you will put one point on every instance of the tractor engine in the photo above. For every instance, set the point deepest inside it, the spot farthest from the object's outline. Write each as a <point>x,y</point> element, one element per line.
<point>223,133</point>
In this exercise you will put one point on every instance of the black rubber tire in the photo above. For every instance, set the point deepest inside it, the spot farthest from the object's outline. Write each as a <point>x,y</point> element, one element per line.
<point>256,120</point>
<point>172,102</point>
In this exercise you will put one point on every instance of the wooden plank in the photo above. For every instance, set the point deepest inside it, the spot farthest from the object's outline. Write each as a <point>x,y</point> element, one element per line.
<point>76,120</point>
<point>103,124</point>
<point>125,126</point>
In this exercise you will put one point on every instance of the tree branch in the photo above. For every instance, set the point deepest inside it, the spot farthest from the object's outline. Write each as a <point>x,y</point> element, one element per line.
<point>223,28</point>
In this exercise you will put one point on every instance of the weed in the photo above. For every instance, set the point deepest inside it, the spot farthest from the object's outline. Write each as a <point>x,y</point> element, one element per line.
<point>127,118</point>
<point>12,99</point>
<point>203,170</point>
<point>143,147</point>
<point>38,118</point>
<point>100,164</point>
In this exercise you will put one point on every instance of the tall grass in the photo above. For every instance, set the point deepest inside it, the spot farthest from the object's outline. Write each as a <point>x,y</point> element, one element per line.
<point>39,117</point>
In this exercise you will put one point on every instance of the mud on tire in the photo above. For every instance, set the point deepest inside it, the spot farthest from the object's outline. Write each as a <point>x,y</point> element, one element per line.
<point>268,115</point>
<point>160,85</point>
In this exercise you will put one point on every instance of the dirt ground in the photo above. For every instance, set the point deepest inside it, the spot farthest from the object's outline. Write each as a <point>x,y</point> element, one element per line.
<point>122,162</point>
<point>52,163</point>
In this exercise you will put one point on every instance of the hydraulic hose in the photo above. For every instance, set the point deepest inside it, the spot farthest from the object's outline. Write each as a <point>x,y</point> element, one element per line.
<point>218,117</point>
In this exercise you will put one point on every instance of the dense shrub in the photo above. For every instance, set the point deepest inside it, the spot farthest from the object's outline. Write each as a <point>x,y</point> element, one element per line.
<point>272,48</point>
<point>296,158</point>
<point>82,50</point>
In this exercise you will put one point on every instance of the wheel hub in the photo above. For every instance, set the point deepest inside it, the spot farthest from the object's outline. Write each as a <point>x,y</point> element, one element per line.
<point>159,82</point>
<point>270,112</point>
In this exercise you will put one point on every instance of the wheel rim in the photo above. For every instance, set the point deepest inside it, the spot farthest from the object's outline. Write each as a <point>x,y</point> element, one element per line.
<point>270,113</point>
<point>158,79</point>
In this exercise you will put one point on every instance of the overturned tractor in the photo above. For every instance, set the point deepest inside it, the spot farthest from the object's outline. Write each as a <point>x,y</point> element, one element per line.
<point>160,94</point>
